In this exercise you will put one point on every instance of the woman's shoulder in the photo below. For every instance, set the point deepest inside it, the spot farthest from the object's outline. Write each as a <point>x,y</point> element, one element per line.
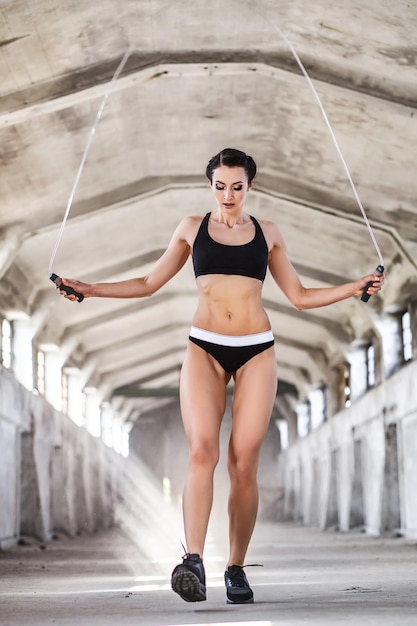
<point>272,232</point>
<point>191,221</point>
<point>188,227</point>
<point>268,226</point>
<point>195,218</point>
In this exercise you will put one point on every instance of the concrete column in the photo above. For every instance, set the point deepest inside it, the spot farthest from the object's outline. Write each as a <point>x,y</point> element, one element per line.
<point>357,517</point>
<point>391,518</point>
<point>292,428</point>
<point>335,389</point>
<point>332,518</point>
<point>127,427</point>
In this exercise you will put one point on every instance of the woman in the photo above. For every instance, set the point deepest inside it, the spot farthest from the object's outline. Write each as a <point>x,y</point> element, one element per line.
<point>230,337</point>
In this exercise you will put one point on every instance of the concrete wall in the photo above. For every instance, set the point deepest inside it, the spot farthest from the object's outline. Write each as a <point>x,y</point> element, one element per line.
<point>54,476</point>
<point>357,470</point>
<point>360,468</point>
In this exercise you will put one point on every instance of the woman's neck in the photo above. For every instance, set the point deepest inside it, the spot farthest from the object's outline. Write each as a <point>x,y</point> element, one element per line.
<point>230,218</point>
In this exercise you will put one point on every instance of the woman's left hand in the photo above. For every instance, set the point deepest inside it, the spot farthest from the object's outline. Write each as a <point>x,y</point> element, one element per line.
<point>374,289</point>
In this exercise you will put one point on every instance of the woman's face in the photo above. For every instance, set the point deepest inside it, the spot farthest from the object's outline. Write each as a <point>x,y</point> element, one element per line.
<point>230,186</point>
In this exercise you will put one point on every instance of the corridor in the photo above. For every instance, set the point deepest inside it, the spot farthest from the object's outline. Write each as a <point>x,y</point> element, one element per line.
<point>308,578</point>
<point>93,453</point>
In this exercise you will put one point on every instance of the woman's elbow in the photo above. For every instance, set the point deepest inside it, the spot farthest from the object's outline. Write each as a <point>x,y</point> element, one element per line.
<point>299,305</point>
<point>299,301</point>
<point>143,288</point>
<point>150,290</point>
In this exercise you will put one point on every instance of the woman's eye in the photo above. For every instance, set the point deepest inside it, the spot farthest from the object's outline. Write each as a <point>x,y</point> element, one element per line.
<point>220,188</point>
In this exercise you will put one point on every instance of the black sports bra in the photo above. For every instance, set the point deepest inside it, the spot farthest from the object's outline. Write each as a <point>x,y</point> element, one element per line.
<point>248,259</point>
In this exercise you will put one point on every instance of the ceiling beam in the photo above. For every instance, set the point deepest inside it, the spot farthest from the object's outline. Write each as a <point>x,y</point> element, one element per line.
<point>91,82</point>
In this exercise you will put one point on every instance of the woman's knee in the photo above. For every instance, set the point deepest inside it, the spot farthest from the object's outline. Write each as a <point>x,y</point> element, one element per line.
<point>204,454</point>
<point>243,468</point>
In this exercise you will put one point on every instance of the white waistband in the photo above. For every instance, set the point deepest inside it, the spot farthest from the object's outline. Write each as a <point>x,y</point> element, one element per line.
<point>231,340</point>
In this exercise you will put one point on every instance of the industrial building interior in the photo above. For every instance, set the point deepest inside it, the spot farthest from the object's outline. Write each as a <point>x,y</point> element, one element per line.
<point>109,113</point>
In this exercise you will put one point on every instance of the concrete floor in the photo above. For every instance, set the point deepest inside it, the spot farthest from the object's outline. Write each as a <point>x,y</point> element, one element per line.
<point>308,577</point>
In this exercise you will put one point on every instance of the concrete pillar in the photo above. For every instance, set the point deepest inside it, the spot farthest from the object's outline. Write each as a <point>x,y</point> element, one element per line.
<point>357,517</point>
<point>332,518</point>
<point>117,433</point>
<point>408,477</point>
<point>30,504</point>
<point>290,497</point>
<point>391,517</point>
<point>314,493</point>
<point>292,428</point>
<point>10,469</point>
<point>335,390</point>
<point>126,430</point>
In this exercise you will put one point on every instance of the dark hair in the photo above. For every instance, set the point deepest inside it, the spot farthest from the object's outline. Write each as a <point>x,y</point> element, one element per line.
<point>232,158</point>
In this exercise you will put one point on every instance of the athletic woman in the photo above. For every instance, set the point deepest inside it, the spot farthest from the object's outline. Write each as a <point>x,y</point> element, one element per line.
<point>230,337</point>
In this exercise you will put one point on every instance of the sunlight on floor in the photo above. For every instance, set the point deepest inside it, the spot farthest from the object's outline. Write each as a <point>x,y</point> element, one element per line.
<point>245,623</point>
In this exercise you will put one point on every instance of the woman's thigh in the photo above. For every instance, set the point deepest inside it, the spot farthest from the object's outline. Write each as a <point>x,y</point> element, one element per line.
<point>253,401</point>
<point>202,396</point>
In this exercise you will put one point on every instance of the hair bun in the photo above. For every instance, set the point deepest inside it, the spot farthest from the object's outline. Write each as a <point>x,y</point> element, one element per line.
<point>231,157</point>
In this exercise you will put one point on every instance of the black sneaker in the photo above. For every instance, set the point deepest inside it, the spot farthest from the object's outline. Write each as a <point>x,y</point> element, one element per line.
<point>189,580</point>
<point>237,586</point>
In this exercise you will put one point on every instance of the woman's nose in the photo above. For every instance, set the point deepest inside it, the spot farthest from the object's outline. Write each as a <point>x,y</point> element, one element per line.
<point>228,193</point>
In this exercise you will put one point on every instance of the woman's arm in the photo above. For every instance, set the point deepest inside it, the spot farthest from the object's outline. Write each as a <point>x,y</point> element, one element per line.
<point>301,297</point>
<point>164,269</point>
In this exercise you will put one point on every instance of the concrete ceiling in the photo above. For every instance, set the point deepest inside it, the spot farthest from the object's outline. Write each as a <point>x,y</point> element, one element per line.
<point>200,77</point>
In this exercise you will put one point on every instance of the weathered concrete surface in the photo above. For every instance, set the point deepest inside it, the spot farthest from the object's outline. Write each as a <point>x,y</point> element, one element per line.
<point>350,473</point>
<point>308,577</point>
<point>199,79</point>
<point>54,476</point>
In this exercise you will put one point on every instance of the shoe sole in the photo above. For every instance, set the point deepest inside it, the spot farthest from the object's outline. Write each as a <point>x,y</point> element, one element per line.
<point>188,586</point>
<point>229,601</point>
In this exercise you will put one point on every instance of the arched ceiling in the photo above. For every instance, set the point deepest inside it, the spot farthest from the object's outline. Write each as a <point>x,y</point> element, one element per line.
<point>201,77</point>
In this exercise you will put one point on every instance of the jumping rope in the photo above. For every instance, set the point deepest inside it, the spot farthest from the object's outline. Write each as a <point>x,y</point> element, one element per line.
<point>58,281</point>
<point>54,277</point>
<point>380,268</point>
